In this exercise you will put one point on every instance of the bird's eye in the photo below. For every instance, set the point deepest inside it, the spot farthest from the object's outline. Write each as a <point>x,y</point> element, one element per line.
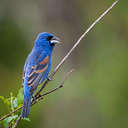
<point>49,38</point>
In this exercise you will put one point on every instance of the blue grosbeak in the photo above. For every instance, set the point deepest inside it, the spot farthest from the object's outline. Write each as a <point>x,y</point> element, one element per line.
<point>37,67</point>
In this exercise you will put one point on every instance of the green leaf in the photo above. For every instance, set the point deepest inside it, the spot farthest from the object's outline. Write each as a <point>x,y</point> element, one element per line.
<point>8,120</point>
<point>27,119</point>
<point>20,96</point>
<point>11,101</point>
<point>5,100</point>
<point>14,103</point>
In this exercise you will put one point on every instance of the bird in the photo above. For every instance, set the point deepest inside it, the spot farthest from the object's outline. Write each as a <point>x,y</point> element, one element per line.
<point>37,67</point>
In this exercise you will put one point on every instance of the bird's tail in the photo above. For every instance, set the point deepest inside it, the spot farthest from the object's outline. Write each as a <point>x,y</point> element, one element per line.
<point>26,107</point>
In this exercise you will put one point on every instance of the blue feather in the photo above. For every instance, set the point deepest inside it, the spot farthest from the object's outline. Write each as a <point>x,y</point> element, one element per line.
<point>37,68</point>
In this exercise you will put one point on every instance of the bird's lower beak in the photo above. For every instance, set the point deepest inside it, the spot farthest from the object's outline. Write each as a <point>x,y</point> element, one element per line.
<point>55,40</point>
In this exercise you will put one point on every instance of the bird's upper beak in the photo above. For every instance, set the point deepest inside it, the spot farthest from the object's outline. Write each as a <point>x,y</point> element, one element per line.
<point>55,40</point>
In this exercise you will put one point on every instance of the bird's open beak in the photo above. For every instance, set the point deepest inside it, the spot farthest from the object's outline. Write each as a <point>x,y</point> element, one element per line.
<point>55,40</point>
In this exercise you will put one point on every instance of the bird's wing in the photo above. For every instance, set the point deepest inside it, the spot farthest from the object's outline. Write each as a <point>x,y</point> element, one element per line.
<point>36,71</point>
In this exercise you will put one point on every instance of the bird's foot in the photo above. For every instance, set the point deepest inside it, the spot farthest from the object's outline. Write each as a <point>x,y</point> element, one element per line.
<point>33,98</point>
<point>49,79</point>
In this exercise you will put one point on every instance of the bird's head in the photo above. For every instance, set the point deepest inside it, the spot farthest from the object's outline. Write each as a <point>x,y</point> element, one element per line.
<point>47,40</point>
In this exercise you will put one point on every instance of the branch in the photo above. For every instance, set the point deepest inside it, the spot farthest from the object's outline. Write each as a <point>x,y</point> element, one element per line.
<point>49,92</point>
<point>9,114</point>
<point>59,86</point>
<point>17,121</point>
<point>67,55</point>
<point>75,45</point>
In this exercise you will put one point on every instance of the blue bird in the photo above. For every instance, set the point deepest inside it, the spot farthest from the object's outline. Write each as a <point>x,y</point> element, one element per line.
<point>37,67</point>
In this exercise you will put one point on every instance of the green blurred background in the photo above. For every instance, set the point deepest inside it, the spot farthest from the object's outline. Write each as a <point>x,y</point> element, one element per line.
<point>95,95</point>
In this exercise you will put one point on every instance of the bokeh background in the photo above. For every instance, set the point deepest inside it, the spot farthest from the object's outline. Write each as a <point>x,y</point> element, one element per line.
<point>95,95</point>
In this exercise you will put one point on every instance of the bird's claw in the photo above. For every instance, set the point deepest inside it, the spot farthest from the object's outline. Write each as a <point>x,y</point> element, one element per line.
<point>33,98</point>
<point>49,79</point>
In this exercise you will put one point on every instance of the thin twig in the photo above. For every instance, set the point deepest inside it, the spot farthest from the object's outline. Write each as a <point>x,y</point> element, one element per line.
<point>59,86</point>
<point>38,98</point>
<point>9,114</point>
<point>49,92</point>
<point>17,121</point>
<point>45,83</point>
<point>67,55</point>
<point>75,45</point>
